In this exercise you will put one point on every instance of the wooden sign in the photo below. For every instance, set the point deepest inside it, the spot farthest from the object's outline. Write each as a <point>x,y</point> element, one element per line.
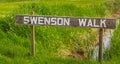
<point>66,21</point>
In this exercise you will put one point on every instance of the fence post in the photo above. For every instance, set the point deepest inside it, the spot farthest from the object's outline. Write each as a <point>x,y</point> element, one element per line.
<point>32,27</point>
<point>100,44</point>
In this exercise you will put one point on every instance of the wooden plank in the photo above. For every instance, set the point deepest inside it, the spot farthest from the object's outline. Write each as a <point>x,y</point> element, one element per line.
<point>100,44</point>
<point>66,21</point>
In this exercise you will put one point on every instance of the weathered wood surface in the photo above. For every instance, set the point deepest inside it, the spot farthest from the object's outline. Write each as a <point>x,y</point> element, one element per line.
<point>66,21</point>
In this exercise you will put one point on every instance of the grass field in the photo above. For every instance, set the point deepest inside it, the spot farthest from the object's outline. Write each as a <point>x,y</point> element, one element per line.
<point>52,43</point>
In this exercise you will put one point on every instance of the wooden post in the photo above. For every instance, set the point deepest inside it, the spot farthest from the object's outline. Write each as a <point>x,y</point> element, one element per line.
<point>32,38</point>
<point>100,44</point>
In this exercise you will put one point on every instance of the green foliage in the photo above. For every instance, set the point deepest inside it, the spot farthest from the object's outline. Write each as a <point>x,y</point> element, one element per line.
<point>60,9</point>
<point>115,49</point>
<point>2,1</point>
<point>112,5</point>
<point>15,39</point>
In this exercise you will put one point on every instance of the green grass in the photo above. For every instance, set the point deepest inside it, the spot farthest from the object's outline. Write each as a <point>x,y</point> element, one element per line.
<point>7,8</point>
<point>51,42</point>
<point>115,49</point>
